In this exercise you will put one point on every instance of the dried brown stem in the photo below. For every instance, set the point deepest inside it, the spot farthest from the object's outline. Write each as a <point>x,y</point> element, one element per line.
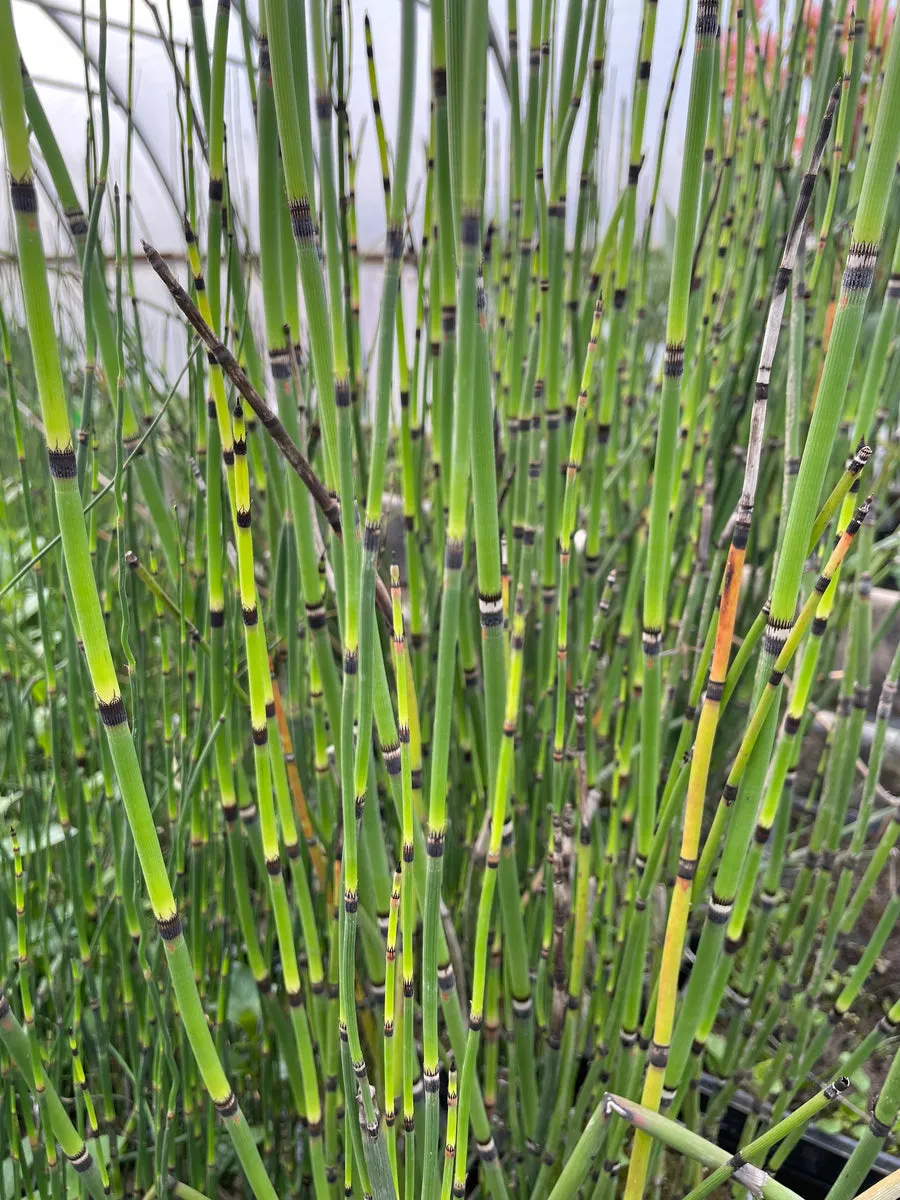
<point>326,502</point>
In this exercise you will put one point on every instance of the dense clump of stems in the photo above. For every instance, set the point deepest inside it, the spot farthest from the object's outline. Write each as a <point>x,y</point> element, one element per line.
<point>475,794</point>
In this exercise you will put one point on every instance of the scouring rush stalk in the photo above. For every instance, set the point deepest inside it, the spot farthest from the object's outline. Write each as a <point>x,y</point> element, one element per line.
<point>801,528</point>
<point>97,196</point>
<point>571,81</point>
<point>101,317</point>
<point>86,1099</point>
<point>493,613</point>
<point>487,541</point>
<point>727,613</point>
<point>403,676</point>
<point>513,370</point>
<point>774,800</point>
<point>260,721</point>
<point>284,377</point>
<point>706,35</point>
<point>661,1129</point>
<point>889,836</point>
<point>624,272</point>
<point>329,354</point>
<point>410,421</point>
<point>702,997</point>
<point>219,438</point>
<point>872,386</point>
<point>657,570</point>
<point>881,1120</point>
<point>727,878</point>
<point>592,127</point>
<point>757,1149</point>
<point>452,1135</point>
<point>49,669</point>
<point>466,368</point>
<point>384,716</point>
<point>44,1157</point>
<point>376,480</point>
<point>297,170</point>
<point>855,286</point>
<point>640,298</point>
<point>574,996</point>
<point>390,1061</point>
<point>286,384</point>
<point>16,1042</point>
<point>855,50</point>
<point>564,542</point>
<point>220,443</point>
<point>852,705</point>
<point>502,790</point>
<point>86,602</point>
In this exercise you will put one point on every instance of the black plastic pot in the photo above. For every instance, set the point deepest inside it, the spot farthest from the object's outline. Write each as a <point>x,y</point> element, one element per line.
<point>814,1163</point>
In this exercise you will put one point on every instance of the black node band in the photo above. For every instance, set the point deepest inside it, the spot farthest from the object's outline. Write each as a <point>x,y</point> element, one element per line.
<point>169,927</point>
<point>879,1129</point>
<point>23,195</point>
<point>62,463</point>
<point>81,1161</point>
<point>658,1056</point>
<point>469,229</point>
<point>227,1107</point>
<point>315,617</point>
<point>301,220</point>
<point>434,845</point>
<point>719,911</point>
<point>112,712</point>
<point>673,360</point>
<point>453,554</point>
<point>78,225</point>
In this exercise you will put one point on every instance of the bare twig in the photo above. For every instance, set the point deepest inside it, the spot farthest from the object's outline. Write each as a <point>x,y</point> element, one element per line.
<point>327,503</point>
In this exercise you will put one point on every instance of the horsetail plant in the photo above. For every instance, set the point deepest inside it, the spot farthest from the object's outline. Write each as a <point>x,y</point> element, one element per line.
<point>511,658</point>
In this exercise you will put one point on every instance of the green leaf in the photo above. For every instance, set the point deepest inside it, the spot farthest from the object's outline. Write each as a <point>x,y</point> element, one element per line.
<point>861,1081</point>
